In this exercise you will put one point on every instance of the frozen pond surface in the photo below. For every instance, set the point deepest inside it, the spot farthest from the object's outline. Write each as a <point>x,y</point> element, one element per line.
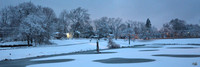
<point>128,57</point>
<point>81,53</point>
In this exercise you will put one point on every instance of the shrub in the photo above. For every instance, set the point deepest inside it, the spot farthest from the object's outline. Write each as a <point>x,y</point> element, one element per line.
<point>112,44</point>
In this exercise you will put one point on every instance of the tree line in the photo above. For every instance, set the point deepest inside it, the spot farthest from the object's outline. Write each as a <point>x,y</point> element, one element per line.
<point>34,23</point>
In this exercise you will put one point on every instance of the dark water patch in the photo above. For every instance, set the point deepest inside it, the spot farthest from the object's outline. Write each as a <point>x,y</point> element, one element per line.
<point>97,53</point>
<point>194,44</point>
<point>150,50</point>
<point>123,60</point>
<point>142,46</point>
<point>148,47</point>
<point>145,40</point>
<point>91,52</point>
<point>2,49</point>
<point>51,61</point>
<point>26,62</point>
<point>182,47</point>
<point>178,55</point>
<point>20,45</point>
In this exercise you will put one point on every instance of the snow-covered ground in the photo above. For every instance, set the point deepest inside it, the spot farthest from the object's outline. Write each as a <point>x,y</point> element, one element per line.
<point>61,47</point>
<point>68,46</point>
<point>87,60</point>
<point>162,41</point>
<point>14,43</point>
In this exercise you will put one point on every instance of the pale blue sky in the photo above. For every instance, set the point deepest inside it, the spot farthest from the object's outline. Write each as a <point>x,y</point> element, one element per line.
<point>159,11</point>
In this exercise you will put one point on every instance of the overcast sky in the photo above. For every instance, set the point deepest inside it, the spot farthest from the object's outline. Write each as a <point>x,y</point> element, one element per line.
<point>159,11</point>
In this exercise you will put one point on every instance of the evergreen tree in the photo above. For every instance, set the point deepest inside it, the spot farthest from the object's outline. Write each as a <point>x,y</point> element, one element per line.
<point>148,23</point>
<point>148,29</point>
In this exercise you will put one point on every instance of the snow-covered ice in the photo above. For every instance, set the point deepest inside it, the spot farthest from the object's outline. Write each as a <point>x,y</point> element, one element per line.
<point>87,60</point>
<point>68,46</point>
<point>80,44</point>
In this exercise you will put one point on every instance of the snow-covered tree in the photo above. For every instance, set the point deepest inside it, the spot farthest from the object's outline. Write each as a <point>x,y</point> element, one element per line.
<point>113,24</point>
<point>121,30</point>
<point>130,28</point>
<point>148,29</point>
<point>178,24</point>
<point>80,22</point>
<point>105,26</point>
<point>4,22</point>
<point>31,27</point>
<point>62,26</point>
<point>102,27</point>
<point>37,25</point>
<point>32,23</point>
<point>177,28</point>
<point>167,30</point>
<point>49,20</point>
<point>12,17</point>
<point>191,31</point>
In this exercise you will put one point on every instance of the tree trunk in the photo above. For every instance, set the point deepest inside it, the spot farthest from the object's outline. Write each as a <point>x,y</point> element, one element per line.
<point>116,37</point>
<point>31,40</point>
<point>129,39</point>
<point>28,40</point>
<point>97,46</point>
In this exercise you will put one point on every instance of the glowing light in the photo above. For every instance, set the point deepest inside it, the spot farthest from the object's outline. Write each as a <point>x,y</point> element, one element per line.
<point>68,35</point>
